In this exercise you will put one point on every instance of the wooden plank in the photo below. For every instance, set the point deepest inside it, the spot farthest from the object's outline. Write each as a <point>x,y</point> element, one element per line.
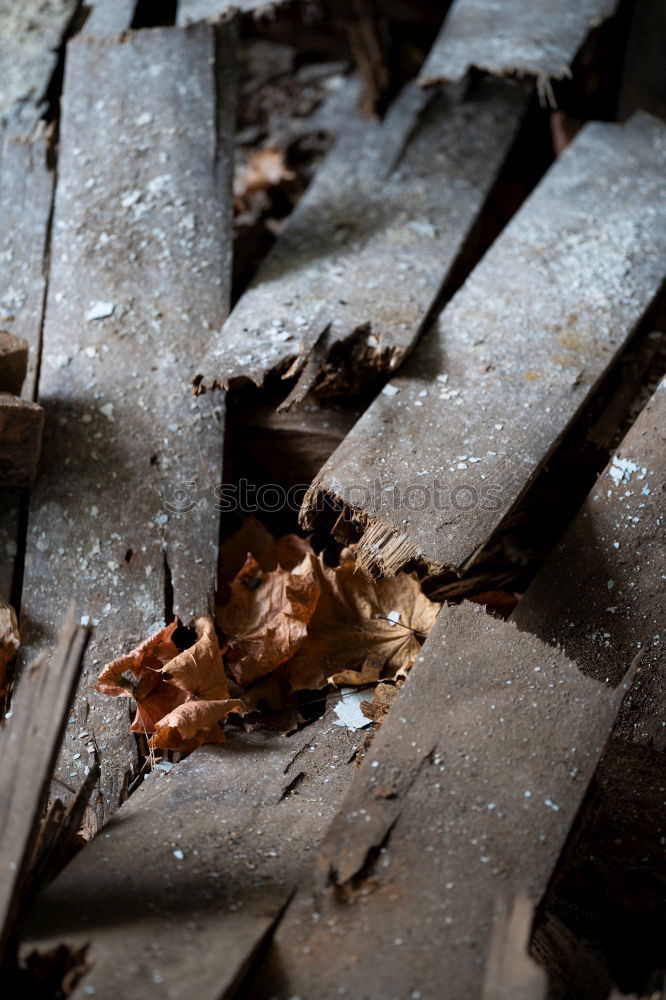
<point>26,193</point>
<point>445,452</point>
<point>522,37</point>
<point>467,793</point>
<point>510,972</point>
<point>140,271</point>
<point>109,17</point>
<point>21,424</point>
<point>30,34</point>
<point>600,593</point>
<point>29,746</point>
<point>363,257</point>
<point>217,844</point>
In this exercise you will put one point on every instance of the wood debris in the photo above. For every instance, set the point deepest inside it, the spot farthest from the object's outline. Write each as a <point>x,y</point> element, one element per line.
<point>524,37</point>
<point>125,500</point>
<point>361,260</point>
<point>468,790</point>
<point>443,454</point>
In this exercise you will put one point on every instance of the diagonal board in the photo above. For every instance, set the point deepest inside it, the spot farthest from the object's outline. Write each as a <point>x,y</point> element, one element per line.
<point>600,594</point>
<point>244,816</point>
<point>445,452</point>
<point>30,34</point>
<point>362,258</point>
<point>139,271</point>
<point>467,794</point>
<point>26,192</point>
<point>525,37</point>
<point>29,745</point>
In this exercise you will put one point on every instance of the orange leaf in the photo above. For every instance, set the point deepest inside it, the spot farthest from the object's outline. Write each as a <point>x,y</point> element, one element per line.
<point>192,724</point>
<point>148,657</point>
<point>266,617</point>
<point>253,539</point>
<point>9,641</point>
<point>199,670</point>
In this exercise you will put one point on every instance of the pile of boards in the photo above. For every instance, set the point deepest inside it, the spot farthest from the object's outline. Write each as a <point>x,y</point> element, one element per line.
<point>272,867</point>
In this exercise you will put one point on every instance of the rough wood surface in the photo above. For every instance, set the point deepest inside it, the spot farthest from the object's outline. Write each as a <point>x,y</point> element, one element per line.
<point>21,424</point>
<point>26,192</point>
<point>525,37</point>
<point>30,33</point>
<point>511,974</point>
<point>29,744</point>
<point>140,270</point>
<point>467,793</point>
<point>446,451</point>
<point>192,11</point>
<point>13,363</point>
<point>361,260</point>
<point>600,595</point>
<point>184,884</point>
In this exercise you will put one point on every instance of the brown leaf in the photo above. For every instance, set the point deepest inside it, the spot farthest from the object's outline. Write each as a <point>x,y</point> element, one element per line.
<point>266,618</point>
<point>199,670</point>
<point>382,700</point>
<point>265,169</point>
<point>253,539</point>
<point>350,623</point>
<point>9,641</point>
<point>192,724</point>
<point>368,674</point>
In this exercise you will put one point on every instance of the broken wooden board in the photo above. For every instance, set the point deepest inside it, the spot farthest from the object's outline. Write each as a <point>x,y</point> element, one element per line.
<point>29,745</point>
<point>26,192</point>
<point>217,844</point>
<point>445,452</point>
<point>109,17</point>
<point>21,424</point>
<point>524,37</point>
<point>363,257</point>
<point>467,793</point>
<point>30,34</point>
<point>123,516</point>
<point>511,974</point>
<point>600,594</point>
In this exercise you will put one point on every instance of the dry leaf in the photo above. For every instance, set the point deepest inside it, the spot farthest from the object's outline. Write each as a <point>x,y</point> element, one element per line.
<point>199,670</point>
<point>265,620</point>
<point>253,539</point>
<point>9,641</point>
<point>383,698</point>
<point>154,697</point>
<point>265,169</point>
<point>356,618</point>
<point>193,723</point>
<point>368,674</point>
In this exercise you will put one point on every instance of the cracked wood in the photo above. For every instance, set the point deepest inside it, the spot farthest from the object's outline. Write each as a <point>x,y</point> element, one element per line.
<point>448,448</point>
<point>364,255</point>
<point>244,817</point>
<point>467,793</point>
<point>524,37</point>
<point>123,510</point>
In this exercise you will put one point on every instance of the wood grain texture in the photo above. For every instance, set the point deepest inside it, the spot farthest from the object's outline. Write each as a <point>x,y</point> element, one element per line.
<point>140,271</point>
<point>362,258</point>
<point>467,793</point>
<point>245,817</point>
<point>526,37</point>
<point>29,745</point>
<point>445,452</point>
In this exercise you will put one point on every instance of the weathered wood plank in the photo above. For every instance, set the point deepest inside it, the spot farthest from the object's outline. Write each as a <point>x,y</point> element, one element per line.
<point>26,193</point>
<point>600,595</point>
<point>525,37</point>
<point>219,845</point>
<point>511,974</point>
<point>29,745</point>
<point>362,258</point>
<point>109,17</point>
<point>30,34</point>
<point>21,424</point>
<point>467,793</point>
<point>192,11</point>
<point>445,452</point>
<point>140,271</point>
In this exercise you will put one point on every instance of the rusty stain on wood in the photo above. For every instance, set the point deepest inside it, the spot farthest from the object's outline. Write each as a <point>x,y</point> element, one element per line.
<point>364,255</point>
<point>448,448</point>
<point>140,271</point>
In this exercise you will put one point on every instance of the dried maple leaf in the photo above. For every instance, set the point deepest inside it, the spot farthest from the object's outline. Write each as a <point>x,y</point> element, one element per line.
<point>356,617</point>
<point>266,617</point>
<point>253,539</point>
<point>154,697</point>
<point>199,670</point>
<point>9,641</point>
<point>194,723</point>
<point>369,673</point>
